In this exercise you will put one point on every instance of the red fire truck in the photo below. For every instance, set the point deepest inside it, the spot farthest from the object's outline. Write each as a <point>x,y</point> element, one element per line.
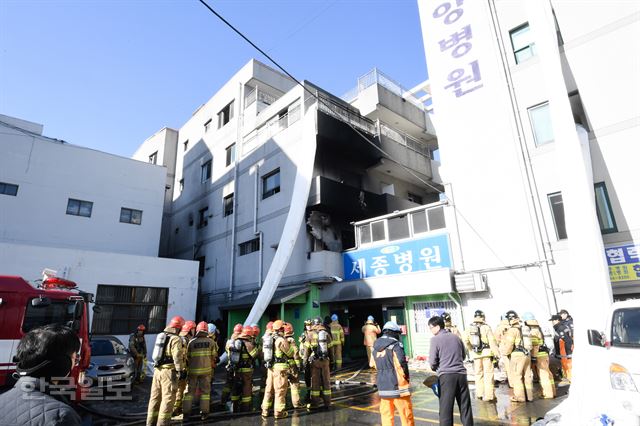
<point>24,307</point>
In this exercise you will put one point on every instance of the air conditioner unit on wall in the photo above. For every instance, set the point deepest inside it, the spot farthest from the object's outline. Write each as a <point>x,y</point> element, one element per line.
<point>468,283</point>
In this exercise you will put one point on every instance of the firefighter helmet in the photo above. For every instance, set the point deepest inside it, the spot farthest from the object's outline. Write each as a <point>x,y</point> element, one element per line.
<point>478,314</point>
<point>247,330</point>
<point>256,330</point>
<point>511,315</point>
<point>211,328</point>
<point>446,316</point>
<point>237,328</point>
<point>370,318</point>
<point>528,316</point>
<point>270,326</point>
<point>141,327</point>
<point>391,326</point>
<point>334,317</point>
<point>188,326</point>
<point>288,329</point>
<point>176,322</point>
<point>317,321</point>
<point>277,325</point>
<point>307,322</point>
<point>202,326</point>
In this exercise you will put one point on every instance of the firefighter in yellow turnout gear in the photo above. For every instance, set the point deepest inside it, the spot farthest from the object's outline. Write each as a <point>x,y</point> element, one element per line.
<point>449,325</point>
<point>168,367</point>
<point>317,353</point>
<point>295,365</point>
<point>337,337</point>
<point>244,369</point>
<point>186,334</point>
<point>501,330</point>
<point>201,360</point>
<point>482,348</point>
<point>540,356</point>
<point>277,375</point>
<point>516,343</point>
<point>231,371</point>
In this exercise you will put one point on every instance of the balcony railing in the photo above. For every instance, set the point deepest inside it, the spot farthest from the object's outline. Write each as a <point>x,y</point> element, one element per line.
<point>405,139</point>
<point>333,108</point>
<point>259,95</point>
<point>272,127</point>
<point>376,77</point>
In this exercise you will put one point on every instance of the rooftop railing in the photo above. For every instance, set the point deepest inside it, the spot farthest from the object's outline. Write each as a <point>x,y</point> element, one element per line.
<point>376,77</point>
<point>335,109</point>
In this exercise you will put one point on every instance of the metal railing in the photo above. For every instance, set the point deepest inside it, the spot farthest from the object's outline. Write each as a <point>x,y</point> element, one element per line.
<point>376,77</point>
<point>272,127</point>
<point>259,95</point>
<point>405,139</point>
<point>329,106</point>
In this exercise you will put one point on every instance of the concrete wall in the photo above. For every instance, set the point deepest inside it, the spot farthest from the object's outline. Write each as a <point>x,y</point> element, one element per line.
<point>90,268</point>
<point>49,172</point>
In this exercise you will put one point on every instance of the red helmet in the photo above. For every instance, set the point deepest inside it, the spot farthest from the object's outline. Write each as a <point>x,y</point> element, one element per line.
<point>141,327</point>
<point>277,325</point>
<point>270,326</point>
<point>256,329</point>
<point>237,328</point>
<point>288,329</point>
<point>176,322</point>
<point>188,326</point>
<point>247,330</point>
<point>202,326</point>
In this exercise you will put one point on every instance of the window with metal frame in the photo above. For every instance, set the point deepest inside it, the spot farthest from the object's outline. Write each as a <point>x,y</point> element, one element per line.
<point>540,119</point>
<point>557,213</point>
<point>131,216</point>
<point>122,308</point>
<point>249,246</point>
<point>8,189</point>
<point>203,217</point>
<point>231,154</point>
<point>603,209</point>
<point>225,115</point>
<point>522,43</point>
<point>271,183</point>
<point>227,205</point>
<point>205,172</point>
<point>79,207</point>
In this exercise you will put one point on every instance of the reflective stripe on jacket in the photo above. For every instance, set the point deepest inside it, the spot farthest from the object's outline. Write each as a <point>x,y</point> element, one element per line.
<point>392,368</point>
<point>201,356</point>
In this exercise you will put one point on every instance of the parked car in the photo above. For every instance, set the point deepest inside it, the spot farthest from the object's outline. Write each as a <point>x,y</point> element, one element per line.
<point>111,363</point>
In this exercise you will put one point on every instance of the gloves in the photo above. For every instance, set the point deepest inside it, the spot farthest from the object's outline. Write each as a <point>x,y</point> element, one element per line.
<point>183,375</point>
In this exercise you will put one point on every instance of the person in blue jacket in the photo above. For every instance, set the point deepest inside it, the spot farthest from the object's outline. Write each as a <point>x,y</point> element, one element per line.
<point>392,376</point>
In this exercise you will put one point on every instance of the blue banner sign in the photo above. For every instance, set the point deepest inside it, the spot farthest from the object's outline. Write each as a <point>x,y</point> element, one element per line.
<point>624,262</point>
<point>401,258</point>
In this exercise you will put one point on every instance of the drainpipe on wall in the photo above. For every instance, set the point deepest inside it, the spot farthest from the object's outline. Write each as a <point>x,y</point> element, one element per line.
<point>239,116</point>
<point>256,171</point>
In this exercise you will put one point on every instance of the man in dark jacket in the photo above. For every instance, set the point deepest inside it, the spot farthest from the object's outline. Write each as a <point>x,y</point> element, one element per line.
<point>563,344</point>
<point>446,356</point>
<point>392,376</point>
<point>45,357</point>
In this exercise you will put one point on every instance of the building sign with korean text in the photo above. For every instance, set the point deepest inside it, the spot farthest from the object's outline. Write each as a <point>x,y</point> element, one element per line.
<point>624,262</point>
<point>402,258</point>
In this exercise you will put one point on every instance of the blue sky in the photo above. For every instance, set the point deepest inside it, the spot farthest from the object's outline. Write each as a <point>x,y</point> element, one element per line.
<point>109,74</point>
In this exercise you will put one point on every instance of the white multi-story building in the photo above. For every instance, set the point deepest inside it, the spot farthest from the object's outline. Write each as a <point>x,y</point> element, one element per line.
<point>95,218</point>
<point>270,176</point>
<point>498,149</point>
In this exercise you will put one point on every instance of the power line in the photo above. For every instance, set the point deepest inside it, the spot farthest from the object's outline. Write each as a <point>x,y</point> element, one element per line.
<point>363,136</point>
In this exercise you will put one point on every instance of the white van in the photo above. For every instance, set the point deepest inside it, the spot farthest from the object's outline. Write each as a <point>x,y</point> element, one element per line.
<point>621,348</point>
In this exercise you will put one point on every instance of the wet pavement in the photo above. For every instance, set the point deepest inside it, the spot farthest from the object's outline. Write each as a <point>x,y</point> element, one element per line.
<point>354,403</point>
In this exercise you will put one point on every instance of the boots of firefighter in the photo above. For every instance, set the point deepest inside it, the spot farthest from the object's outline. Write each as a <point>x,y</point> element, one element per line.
<point>326,383</point>
<point>280,385</point>
<point>546,377</point>
<point>247,392</point>
<point>267,399</point>
<point>338,355</point>
<point>162,396</point>
<point>519,363</point>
